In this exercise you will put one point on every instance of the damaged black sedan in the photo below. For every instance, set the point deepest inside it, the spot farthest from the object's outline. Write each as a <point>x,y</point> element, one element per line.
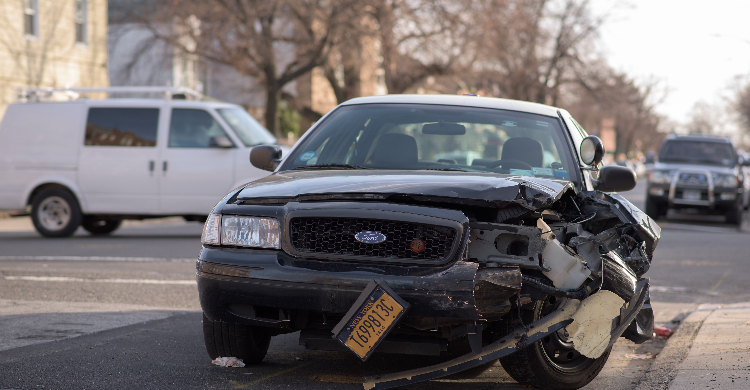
<point>475,228</point>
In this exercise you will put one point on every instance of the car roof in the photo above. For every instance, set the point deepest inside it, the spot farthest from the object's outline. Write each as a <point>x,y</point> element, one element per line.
<point>459,100</point>
<point>131,102</point>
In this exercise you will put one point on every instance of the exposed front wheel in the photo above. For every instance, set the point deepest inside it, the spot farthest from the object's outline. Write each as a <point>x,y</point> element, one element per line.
<point>100,226</point>
<point>552,362</point>
<point>249,343</point>
<point>55,213</point>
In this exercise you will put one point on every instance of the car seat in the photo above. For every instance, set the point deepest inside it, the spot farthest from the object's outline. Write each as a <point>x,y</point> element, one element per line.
<point>523,149</point>
<point>394,150</point>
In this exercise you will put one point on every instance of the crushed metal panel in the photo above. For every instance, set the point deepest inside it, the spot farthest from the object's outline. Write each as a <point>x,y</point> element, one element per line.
<point>493,288</point>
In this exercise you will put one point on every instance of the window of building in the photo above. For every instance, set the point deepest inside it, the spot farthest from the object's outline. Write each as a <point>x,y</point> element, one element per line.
<point>122,126</point>
<point>193,129</point>
<point>80,20</point>
<point>30,18</point>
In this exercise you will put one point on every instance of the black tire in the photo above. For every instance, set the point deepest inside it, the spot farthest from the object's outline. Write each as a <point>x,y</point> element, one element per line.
<point>652,208</point>
<point>551,363</point>
<point>249,343</point>
<point>55,212</point>
<point>100,226</point>
<point>734,216</point>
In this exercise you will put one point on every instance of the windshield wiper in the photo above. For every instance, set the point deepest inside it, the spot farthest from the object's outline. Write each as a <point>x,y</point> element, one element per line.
<point>326,166</point>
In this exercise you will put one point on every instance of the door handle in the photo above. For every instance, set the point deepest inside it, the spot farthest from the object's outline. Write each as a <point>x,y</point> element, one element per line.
<point>164,166</point>
<point>151,165</point>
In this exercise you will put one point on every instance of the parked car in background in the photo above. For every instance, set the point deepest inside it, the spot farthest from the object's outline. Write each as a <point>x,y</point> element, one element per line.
<point>432,225</point>
<point>702,172</point>
<point>96,162</point>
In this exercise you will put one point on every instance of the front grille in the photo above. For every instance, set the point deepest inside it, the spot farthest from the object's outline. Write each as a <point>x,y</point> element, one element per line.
<point>335,236</point>
<point>693,179</point>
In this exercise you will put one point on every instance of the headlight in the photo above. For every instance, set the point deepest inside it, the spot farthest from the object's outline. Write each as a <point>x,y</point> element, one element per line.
<point>729,181</point>
<point>242,231</point>
<point>660,177</point>
<point>250,231</point>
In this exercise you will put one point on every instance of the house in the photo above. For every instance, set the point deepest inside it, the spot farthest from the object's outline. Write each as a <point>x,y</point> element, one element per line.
<point>51,43</point>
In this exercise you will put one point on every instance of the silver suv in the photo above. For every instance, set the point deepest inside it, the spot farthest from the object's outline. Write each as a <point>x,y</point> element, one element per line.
<point>701,172</point>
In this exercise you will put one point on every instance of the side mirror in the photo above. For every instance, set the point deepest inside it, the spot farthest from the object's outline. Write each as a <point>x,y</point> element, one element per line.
<point>220,141</point>
<point>266,157</point>
<point>615,178</point>
<point>592,150</point>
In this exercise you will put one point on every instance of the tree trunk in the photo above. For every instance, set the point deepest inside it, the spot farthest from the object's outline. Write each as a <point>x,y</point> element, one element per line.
<point>272,109</point>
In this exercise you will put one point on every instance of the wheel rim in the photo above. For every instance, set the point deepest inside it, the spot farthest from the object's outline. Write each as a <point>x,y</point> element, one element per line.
<point>558,349</point>
<point>54,213</point>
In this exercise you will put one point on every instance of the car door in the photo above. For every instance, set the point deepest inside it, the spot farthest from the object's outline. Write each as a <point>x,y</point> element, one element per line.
<point>117,163</point>
<point>195,172</point>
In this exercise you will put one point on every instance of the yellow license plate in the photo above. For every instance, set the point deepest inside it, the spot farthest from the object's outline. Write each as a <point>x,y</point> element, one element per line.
<point>372,321</point>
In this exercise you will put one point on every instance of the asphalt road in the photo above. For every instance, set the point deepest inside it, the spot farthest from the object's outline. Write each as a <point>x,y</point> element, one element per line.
<point>122,312</point>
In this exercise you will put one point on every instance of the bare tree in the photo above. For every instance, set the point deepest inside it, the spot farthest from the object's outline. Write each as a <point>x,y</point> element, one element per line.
<point>274,42</point>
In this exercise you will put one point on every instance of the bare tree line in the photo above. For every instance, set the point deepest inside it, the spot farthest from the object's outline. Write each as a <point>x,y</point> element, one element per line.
<point>536,50</point>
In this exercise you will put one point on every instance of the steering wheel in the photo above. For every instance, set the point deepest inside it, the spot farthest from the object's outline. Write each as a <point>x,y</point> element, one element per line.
<point>509,161</point>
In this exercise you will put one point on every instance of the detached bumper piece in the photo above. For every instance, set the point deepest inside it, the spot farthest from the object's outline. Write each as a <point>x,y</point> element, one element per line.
<point>513,342</point>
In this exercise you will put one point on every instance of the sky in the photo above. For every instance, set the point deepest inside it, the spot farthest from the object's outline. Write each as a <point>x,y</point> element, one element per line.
<point>695,48</point>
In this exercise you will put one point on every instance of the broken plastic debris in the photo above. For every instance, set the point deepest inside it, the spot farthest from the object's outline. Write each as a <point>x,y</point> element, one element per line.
<point>592,322</point>
<point>228,362</point>
<point>644,356</point>
<point>663,332</point>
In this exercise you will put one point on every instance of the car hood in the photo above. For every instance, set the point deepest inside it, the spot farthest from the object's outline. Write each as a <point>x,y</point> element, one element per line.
<point>459,187</point>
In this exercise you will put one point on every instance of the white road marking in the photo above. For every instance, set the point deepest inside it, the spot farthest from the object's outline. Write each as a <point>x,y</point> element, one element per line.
<point>89,258</point>
<point>66,279</point>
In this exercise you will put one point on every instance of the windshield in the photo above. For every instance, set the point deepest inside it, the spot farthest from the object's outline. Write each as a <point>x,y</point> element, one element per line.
<point>246,127</point>
<point>697,152</point>
<point>436,137</point>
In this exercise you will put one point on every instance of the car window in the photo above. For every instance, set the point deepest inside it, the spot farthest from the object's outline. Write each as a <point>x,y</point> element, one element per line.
<point>410,136</point>
<point>251,132</point>
<point>191,128</point>
<point>134,127</point>
<point>697,152</point>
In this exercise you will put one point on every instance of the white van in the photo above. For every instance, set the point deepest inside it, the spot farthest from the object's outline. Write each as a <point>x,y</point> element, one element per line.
<point>96,162</point>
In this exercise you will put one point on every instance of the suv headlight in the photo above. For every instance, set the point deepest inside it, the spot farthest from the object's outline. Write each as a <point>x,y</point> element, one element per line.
<point>729,181</point>
<point>237,230</point>
<point>660,177</point>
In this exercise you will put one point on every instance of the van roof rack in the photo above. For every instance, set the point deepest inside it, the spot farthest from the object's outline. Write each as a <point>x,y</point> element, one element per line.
<point>45,94</point>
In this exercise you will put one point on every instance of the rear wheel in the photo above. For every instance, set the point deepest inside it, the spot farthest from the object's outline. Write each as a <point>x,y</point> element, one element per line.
<point>100,226</point>
<point>55,212</point>
<point>552,362</point>
<point>246,342</point>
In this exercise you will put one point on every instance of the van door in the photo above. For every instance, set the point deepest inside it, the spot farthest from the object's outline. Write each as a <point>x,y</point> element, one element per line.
<point>117,163</point>
<point>197,165</point>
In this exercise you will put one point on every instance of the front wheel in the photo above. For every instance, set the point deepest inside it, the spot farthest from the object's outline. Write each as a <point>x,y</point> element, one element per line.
<point>552,362</point>
<point>734,216</point>
<point>55,213</point>
<point>653,209</point>
<point>246,342</point>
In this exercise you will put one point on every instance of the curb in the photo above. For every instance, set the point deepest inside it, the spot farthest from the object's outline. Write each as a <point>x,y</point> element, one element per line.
<point>664,369</point>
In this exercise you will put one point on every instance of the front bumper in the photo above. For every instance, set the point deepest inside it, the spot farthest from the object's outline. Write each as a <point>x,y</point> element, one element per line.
<point>694,188</point>
<point>268,287</point>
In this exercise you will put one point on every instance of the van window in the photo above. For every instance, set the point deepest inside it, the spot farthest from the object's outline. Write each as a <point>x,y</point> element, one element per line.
<point>246,127</point>
<point>191,128</point>
<point>121,126</point>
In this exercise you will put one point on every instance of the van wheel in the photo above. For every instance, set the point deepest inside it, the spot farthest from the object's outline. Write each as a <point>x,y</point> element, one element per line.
<point>734,216</point>
<point>100,226</point>
<point>246,342</point>
<point>55,213</point>
<point>552,362</point>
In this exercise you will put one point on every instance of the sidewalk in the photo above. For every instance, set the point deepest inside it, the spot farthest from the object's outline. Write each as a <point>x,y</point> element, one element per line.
<point>710,350</point>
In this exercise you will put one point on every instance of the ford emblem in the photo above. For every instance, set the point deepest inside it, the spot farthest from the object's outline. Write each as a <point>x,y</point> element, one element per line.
<point>370,237</point>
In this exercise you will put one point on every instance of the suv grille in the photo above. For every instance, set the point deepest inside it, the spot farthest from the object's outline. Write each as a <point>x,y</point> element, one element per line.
<point>335,236</point>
